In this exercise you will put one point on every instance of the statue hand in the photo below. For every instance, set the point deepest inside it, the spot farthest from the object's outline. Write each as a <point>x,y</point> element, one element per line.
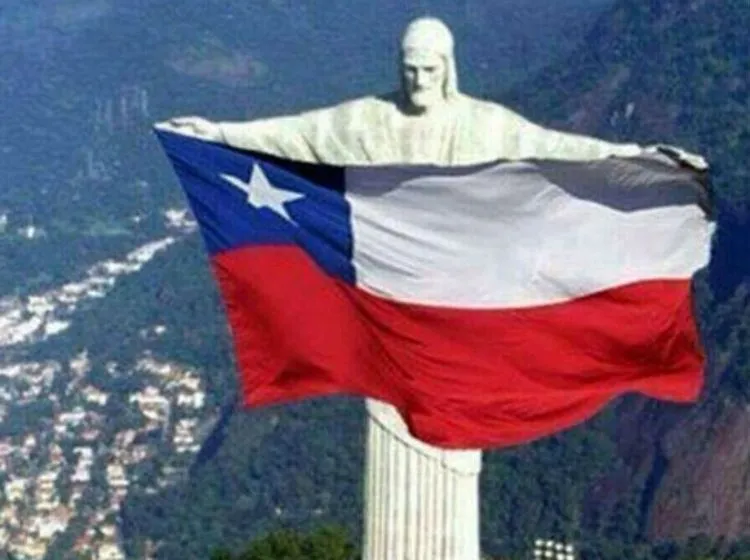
<point>680,157</point>
<point>694,163</point>
<point>193,126</point>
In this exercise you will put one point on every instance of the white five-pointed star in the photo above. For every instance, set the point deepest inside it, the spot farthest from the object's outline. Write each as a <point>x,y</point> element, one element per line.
<point>262,194</point>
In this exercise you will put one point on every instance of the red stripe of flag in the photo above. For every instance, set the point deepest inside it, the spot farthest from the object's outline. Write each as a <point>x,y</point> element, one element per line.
<point>461,378</point>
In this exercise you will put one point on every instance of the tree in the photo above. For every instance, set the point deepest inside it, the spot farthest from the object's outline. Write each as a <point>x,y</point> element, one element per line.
<point>326,543</point>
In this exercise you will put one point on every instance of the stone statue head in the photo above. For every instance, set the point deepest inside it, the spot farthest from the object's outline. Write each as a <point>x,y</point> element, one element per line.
<point>428,65</point>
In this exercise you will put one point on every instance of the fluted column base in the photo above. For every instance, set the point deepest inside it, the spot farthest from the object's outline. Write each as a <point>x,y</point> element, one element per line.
<point>421,502</point>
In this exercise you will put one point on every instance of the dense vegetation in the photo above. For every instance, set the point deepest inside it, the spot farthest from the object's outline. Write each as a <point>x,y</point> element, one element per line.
<point>327,543</point>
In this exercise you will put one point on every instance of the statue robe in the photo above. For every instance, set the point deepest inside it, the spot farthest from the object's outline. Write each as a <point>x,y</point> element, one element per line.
<point>374,130</point>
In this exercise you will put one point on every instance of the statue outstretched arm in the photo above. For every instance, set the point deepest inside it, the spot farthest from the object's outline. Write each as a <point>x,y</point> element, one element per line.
<point>294,136</point>
<point>539,142</point>
<point>304,137</point>
<point>536,141</point>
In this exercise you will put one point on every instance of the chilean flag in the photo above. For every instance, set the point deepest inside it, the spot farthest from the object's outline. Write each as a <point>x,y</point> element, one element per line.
<point>492,304</point>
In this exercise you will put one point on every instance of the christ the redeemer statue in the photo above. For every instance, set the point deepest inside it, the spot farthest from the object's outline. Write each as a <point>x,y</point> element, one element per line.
<point>421,502</point>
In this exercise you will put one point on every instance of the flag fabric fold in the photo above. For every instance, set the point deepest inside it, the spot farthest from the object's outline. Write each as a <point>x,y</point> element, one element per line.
<point>491,304</point>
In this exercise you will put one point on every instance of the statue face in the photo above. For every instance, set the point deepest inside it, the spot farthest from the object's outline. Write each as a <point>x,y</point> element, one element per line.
<point>424,75</point>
